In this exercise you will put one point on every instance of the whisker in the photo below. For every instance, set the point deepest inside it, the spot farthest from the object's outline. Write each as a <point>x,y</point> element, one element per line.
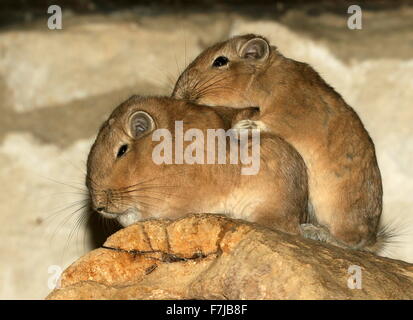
<point>70,216</point>
<point>59,211</point>
<point>75,228</point>
<point>140,203</point>
<point>65,184</point>
<point>65,193</point>
<point>142,183</point>
<point>199,88</point>
<point>89,178</point>
<point>85,218</point>
<point>140,197</point>
<point>148,187</point>
<point>157,193</point>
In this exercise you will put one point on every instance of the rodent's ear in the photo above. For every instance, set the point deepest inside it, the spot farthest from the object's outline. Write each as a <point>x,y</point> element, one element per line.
<point>140,124</point>
<point>256,48</point>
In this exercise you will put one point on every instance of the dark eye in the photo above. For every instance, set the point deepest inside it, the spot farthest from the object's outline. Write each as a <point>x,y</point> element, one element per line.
<point>122,150</point>
<point>220,61</point>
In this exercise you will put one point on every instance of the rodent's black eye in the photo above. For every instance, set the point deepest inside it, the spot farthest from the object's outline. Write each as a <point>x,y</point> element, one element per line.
<point>122,150</point>
<point>220,61</point>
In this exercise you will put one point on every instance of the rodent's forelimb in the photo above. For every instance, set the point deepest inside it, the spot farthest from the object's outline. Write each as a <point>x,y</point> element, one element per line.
<point>318,233</point>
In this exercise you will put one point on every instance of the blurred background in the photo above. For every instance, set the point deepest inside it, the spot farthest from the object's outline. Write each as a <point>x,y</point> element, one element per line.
<point>58,86</point>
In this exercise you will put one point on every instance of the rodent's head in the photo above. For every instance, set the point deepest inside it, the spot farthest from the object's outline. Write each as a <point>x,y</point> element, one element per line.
<point>124,181</point>
<point>123,140</point>
<point>223,73</point>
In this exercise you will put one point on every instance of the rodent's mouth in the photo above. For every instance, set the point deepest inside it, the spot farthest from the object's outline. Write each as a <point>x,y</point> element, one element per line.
<point>110,215</point>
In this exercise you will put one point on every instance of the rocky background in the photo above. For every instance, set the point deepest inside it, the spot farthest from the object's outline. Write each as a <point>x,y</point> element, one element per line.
<point>58,86</point>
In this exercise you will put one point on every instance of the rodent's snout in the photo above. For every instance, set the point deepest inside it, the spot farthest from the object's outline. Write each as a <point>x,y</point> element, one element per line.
<point>186,85</point>
<point>106,203</point>
<point>99,206</point>
<point>102,204</point>
<point>100,209</point>
<point>100,201</point>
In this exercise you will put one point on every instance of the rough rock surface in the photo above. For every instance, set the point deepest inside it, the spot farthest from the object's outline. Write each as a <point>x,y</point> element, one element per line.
<point>214,257</point>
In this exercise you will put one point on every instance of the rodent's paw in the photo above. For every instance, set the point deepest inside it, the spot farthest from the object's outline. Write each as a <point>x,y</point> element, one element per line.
<point>313,232</point>
<point>246,124</point>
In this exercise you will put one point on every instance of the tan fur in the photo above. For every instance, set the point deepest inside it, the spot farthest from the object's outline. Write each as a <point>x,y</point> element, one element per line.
<point>295,103</point>
<point>133,187</point>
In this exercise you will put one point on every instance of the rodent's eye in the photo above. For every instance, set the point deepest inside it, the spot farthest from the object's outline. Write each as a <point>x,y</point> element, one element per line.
<point>122,150</point>
<point>220,61</point>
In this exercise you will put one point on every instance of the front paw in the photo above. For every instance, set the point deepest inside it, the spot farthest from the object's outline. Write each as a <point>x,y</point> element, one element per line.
<point>245,124</point>
<point>249,124</point>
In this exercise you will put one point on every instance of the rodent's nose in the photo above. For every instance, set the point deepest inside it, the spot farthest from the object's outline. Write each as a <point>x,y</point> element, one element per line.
<point>186,86</point>
<point>101,200</point>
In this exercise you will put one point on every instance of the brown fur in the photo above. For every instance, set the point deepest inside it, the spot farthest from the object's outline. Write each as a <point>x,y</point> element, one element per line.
<point>276,197</point>
<point>296,103</point>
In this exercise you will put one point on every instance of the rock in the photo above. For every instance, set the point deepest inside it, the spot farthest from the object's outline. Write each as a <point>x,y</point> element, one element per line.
<point>215,257</point>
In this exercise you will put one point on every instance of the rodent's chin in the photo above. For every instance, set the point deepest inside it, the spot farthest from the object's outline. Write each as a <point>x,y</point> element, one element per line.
<point>129,217</point>
<point>126,218</point>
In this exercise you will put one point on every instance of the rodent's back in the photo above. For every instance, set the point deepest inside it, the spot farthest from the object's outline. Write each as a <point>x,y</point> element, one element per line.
<point>298,105</point>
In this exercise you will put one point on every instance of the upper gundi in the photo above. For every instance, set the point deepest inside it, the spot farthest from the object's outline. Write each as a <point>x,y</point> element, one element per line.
<point>315,152</point>
<point>345,188</point>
